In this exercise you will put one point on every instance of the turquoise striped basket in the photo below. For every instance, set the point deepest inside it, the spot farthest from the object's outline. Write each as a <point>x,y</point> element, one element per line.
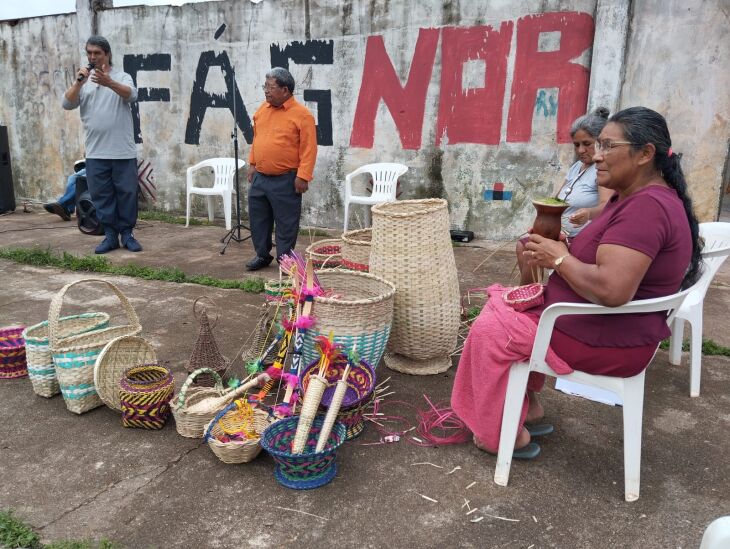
<point>357,308</point>
<point>74,356</point>
<point>41,371</point>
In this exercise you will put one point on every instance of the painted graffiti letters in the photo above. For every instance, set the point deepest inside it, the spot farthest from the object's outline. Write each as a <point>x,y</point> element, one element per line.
<point>133,64</point>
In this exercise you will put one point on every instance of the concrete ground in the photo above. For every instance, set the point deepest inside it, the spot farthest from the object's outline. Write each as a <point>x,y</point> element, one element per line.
<point>87,477</point>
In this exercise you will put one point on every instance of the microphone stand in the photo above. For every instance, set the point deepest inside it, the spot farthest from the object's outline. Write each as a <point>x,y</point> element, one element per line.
<point>235,232</point>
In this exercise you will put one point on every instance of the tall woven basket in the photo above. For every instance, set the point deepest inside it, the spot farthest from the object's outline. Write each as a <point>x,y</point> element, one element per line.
<point>13,362</point>
<point>357,308</point>
<point>41,371</point>
<point>74,356</point>
<point>412,248</point>
<point>145,392</point>
<point>355,249</point>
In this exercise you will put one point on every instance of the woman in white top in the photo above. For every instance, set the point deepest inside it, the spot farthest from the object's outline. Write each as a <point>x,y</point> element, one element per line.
<point>579,190</point>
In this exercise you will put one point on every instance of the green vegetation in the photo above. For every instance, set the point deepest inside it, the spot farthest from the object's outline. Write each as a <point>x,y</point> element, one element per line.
<point>99,264</point>
<point>164,217</point>
<point>473,312</point>
<point>15,534</point>
<point>305,231</point>
<point>709,347</point>
<point>549,201</point>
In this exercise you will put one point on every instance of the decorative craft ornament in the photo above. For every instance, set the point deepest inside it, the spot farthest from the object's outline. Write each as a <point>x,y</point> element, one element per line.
<point>205,351</point>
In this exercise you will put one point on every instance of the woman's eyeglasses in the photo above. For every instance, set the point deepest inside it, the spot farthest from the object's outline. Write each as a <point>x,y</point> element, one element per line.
<point>605,145</point>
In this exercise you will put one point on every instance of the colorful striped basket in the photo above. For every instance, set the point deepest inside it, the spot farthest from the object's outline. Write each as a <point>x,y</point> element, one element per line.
<point>306,470</point>
<point>13,364</point>
<point>325,253</point>
<point>144,393</point>
<point>357,308</point>
<point>41,372</point>
<point>360,386</point>
<point>356,249</point>
<point>74,356</point>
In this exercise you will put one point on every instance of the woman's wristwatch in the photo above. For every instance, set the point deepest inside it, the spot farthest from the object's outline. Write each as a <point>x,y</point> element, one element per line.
<point>559,261</point>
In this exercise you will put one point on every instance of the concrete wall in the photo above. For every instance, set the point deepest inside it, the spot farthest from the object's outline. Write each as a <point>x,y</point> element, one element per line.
<point>475,97</point>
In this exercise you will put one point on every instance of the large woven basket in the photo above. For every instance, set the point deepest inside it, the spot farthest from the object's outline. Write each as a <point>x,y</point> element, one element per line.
<point>115,358</point>
<point>325,254</point>
<point>309,469</point>
<point>13,363</point>
<point>356,249</point>
<point>191,424</point>
<point>357,308</point>
<point>144,393</point>
<point>235,451</point>
<point>412,248</point>
<point>41,371</point>
<point>74,356</point>
<point>359,393</point>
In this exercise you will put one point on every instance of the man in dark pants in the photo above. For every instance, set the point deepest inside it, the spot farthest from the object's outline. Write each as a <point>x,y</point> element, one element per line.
<point>281,165</point>
<point>105,95</point>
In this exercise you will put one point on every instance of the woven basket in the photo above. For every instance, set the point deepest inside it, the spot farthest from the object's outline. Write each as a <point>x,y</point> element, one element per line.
<point>238,451</point>
<point>521,298</point>
<point>145,392</point>
<point>192,425</point>
<point>115,358</point>
<point>412,248</point>
<point>205,351</point>
<point>325,253</point>
<point>275,289</point>
<point>356,249</point>
<point>13,363</point>
<point>357,308</point>
<point>41,371</point>
<point>359,394</point>
<point>307,470</point>
<point>74,356</point>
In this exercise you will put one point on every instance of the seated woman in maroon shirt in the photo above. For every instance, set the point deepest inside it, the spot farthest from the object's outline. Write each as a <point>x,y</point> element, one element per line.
<point>644,244</point>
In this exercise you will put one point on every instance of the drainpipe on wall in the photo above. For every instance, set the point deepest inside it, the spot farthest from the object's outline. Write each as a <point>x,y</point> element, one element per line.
<point>612,20</point>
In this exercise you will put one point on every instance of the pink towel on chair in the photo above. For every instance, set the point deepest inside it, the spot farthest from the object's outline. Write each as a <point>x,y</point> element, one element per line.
<point>499,337</point>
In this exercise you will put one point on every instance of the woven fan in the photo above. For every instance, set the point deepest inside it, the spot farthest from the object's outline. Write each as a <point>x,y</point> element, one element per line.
<point>206,353</point>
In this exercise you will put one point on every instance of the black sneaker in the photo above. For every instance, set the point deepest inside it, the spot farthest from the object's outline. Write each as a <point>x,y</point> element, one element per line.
<point>258,263</point>
<point>56,208</point>
<point>107,245</point>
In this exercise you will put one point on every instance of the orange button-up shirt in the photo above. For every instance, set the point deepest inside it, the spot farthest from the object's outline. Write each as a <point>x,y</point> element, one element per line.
<point>284,139</point>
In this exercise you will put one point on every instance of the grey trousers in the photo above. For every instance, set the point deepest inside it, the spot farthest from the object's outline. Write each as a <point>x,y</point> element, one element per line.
<point>274,200</point>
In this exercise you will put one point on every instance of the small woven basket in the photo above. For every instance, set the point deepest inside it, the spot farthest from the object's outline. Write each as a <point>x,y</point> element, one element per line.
<point>241,451</point>
<point>74,356</point>
<point>325,253</point>
<point>307,470</point>
<point>356,249</point>
<point>360,386</point>
<point>274,289</point>
<point>145,392</point>
<point>205,351</point>
<point>357,308</point>
<point>115,359</point>
<point>13,363</point>
<point>191,424</point>
<point>521,298</point>
<point>41,371</point>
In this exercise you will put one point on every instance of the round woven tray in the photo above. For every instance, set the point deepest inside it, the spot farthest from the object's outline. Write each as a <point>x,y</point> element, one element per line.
<point>236,452</point>
<point>356,249</point>
<point>115,358</point>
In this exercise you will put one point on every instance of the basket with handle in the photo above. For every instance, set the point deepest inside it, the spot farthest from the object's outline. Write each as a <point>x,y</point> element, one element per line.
<point>357,308</point>
<point>309,469</point>
<point>191,424</point>
<point>144,393</point>
<point>221,431</point>
<point>325,254</point>
<point>74,356</point>
<point>13,363</point>
<point>356,249</point>
<point>205,352</point>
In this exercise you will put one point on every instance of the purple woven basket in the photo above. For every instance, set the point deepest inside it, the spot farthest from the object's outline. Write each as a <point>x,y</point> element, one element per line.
<point>13,363</point>
<point>360,381</point>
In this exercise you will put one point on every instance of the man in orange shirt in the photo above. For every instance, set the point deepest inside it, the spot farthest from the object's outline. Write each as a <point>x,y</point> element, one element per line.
<point>281,164</point>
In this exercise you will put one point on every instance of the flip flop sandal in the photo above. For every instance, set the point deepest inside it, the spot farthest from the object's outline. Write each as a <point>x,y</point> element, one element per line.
<point>539,429</point>
<point>531,451</point>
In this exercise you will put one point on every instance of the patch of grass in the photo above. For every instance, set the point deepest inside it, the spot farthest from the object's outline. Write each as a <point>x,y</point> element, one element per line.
<point>709,347</point>
<point>305,231</point>
<point>14,534</point>
<point>473,312</point>
<point>98,264</point>
<point>164,217</point>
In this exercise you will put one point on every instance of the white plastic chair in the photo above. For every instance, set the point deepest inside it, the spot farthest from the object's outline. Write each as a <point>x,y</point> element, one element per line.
<point>630,389</point>
<point>385,180</point>
<point>224,170</point>
<point>717,534</point>
<point>714,254</point>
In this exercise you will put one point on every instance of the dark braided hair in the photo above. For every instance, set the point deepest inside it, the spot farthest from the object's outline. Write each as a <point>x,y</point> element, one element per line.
<point>642,126</point>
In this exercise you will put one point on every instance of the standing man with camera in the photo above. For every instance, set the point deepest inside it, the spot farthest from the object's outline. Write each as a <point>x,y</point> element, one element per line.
<point>104,95</point>
<point>281,165</point>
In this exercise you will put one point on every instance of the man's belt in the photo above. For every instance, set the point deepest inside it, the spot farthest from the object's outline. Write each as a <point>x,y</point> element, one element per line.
<point>277,174</point>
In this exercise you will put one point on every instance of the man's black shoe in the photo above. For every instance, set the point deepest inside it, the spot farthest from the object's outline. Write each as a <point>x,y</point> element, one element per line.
<point>258,263</point>
<point>56,208</point>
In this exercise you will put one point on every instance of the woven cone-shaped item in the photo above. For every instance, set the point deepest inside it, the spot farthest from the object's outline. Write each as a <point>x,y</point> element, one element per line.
<point>206,354</point>
<point>317,385</point>
<point>411,247</point>
<point>355,249</point>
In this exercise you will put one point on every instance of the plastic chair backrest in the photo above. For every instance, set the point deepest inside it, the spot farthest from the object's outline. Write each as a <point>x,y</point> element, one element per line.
<point>385,178</point>
<point>714,254</point>
<point>225,169</point>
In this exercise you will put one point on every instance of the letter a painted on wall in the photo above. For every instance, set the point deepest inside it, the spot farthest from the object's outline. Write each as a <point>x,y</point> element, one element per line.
<point>406,104</point>
<point>201,100</point>
<point>535,69</point>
